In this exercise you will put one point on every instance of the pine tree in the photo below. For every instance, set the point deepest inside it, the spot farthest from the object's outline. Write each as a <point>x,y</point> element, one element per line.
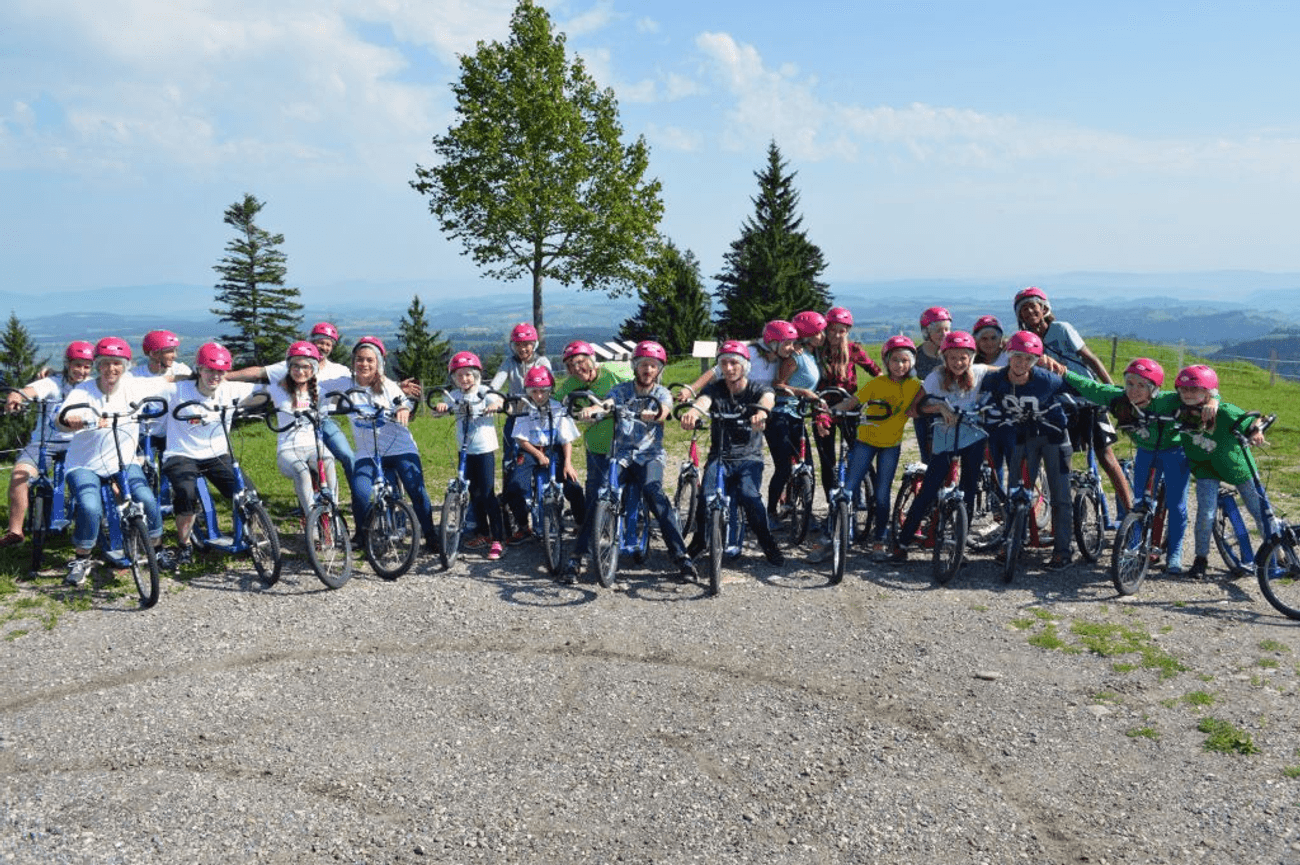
<point>18,366</point>
<point>772,270</point>
<point>674,307</point>
<point>420,353</point>
<point>251,295</point>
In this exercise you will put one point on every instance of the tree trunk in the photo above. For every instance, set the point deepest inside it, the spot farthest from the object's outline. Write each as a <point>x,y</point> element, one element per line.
<point>539,321</point>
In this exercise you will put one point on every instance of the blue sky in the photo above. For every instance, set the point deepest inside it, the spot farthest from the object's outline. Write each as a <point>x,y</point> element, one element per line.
<point>931,139</point>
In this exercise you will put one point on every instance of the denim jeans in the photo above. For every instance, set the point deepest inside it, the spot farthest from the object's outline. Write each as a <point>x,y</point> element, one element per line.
<point>83,488</point>
<point>597,470</point>
<point>742,480</point>
<point>936,475</point>
<point>1207,505</point>
<point>651,478</point>
<point>882,479</point>
<point>1171,464</point>
<point>784,433</point>
<point>403,468</point>
<point>337,443</point>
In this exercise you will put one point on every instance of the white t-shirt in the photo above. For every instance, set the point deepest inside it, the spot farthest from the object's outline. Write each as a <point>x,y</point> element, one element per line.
<point>482,427</point>
<point>92,448</point>
<point>329,371</point>
<point>201,438</point>
<point>178,371</point>
<point>947,438</point>
<point>390,437</point>
<point>52,390</point>
<point>535,427</point>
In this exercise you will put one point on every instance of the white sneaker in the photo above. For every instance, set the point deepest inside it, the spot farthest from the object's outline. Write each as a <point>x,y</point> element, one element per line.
<point>78,569</point>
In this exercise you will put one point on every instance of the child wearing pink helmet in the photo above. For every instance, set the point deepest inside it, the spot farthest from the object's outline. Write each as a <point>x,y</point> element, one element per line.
<point>838,362</point>
<point>509,380</point>
<point>480,441</point>
<point>936,323</point>
<point>545,434</point>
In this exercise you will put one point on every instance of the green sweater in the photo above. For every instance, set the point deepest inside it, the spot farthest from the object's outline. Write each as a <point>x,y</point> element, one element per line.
<point>1164,404</point>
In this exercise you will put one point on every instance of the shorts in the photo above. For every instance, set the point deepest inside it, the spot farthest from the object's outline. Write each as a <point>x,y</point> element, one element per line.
<point>31,454</point>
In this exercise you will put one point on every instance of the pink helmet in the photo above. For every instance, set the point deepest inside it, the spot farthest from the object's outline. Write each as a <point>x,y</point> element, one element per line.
<point>79,350</point>
<point>303,348</point>
<point>778,330</point>
<point>933,314</point>
<point>839,315</point>
<point>1033,293</point>
<point>577,347</point>
<point>896,342</point>
<point>1197,375</point>
<point>214,356</point>
<point>112,346</point>
<point>1024,341</point>
<point>538,376</point>
<point>160,340</point>
<point>1145,367</point>
<point>957,339</point>
<point>734,346</point>
<point>374,342</point>
<point>523,332</point>
<point>464,360</point>
<point>324,328</point>
<point>650,349</point>
<point>986,321</point>
<point>809,323</point>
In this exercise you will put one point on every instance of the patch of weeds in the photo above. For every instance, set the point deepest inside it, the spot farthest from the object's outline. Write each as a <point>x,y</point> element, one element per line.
<point>1180,604</point>
<point>1022,624</point>
<point>1169,703</point>
<point>1109,639</point>
<point>1167,629</point>
<point>1205,677</point>
<point>1143,733</point>
<point>1291,772</point>
<point>1049,638</point>
<point>1201,699</point>
<point>979,608</point>
<point>1104,698</point>
<point>1258,681</point>
<point>1274,646</point>
<point>1042,614</point>
<point>1268,663</point>
<point>1224,738</point>
<point>13,635</point>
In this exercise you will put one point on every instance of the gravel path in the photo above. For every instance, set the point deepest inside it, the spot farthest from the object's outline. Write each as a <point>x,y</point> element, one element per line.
<point>489,715</point>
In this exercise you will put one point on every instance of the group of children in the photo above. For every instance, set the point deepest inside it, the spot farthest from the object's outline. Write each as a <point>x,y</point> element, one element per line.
<point>1031,378</point>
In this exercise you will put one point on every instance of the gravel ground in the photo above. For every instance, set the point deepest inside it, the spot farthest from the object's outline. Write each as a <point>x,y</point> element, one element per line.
<point>488,714</point>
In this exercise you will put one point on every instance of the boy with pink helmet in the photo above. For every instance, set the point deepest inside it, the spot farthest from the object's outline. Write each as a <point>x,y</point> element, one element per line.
<point>838,362</point>
<point>739,446</point>
<point>542,435</point>
<point>480,442</point>
<point>509,380</point>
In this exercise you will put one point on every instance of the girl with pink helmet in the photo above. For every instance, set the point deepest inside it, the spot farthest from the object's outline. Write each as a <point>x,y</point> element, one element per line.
<point>78,358</point>
<point>1158,446</point>
<point>1215,456</point>
<point>953,387</point>
<point>886,399</point>
<point>480,441</point>
<point>543,435</point>
<point>299,389</point>
<point>196,447</point>
<point>936,323</point>
<point>838,361</point>
<point>92,455</point>
<point>1062,343</point>
<point>158,358</point>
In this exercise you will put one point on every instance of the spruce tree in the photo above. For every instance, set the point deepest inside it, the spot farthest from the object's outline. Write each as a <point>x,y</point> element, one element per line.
<point>265,315</point>
<point>674,307</point>
<point>421,353</point>
<point>18,366</point>
<point>772,270</point>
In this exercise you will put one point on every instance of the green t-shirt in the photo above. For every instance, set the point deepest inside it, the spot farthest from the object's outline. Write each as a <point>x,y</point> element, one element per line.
<point>599,437</point>
<point>1218,454</point>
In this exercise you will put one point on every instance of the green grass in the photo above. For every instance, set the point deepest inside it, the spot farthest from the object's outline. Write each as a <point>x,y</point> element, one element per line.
<point>1147,732</point>
<point>1107,639</point>
<point>1274,646</point>
<point>1198,698</point>
<point>1224,738</point>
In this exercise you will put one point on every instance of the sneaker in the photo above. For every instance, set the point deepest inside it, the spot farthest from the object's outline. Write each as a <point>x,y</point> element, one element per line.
<point>432,545</point>
<point>494,552</point>
<point>1056,563</point>
<point>819,552</point>
<point>774,556</point>
<point>879,551</point>
<point>166,559</point>
<point>11,539</point>
<point>572,568</point>
<point>477,542</point>
<point>686,571</point>
<point>899,554</point>
<point>185,554</point>
<point>1199,566</point>
<point>78,569</point>
<point>519,536</point>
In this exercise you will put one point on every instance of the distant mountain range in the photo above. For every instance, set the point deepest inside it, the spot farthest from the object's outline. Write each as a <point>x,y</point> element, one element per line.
<point>1207,310</point>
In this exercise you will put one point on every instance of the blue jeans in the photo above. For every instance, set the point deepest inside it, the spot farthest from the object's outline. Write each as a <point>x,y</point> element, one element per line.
<point>923,424</point>
<point>936,475</point>
<point>784,433</point>
<point>1055,460</point>
<point>742,480</point>
<point>336,441</point>
<point>405,468</point>
<point>882,478</point>
<point>1207,505</point>
<point>83,488</point>
<point>651,479</point>
<point>597,471</point>
<point>1171,464</point>
<point>522,480</point>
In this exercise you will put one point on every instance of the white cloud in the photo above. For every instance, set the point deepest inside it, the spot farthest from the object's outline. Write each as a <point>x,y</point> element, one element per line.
<point>647,25</point>
<point>593,20</point>
<point>674,138</point>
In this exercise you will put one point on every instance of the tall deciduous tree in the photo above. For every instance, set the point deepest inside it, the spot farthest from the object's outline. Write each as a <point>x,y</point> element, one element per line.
<point>533,178</point>
<point>421,353</point>
<point>772,270</point>
<point>18,366</point>
<point>265,315</point>
<point>674,307</point>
